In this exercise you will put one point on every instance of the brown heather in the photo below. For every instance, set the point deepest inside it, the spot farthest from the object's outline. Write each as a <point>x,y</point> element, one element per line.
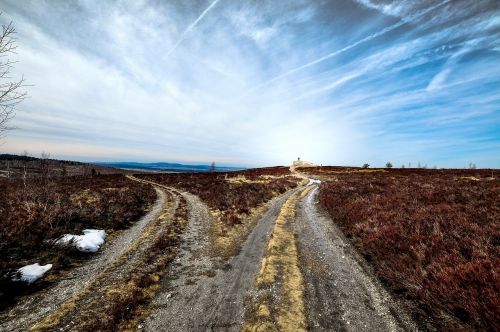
<point>46,208</point>
<point>232,198</point>
<point>432,236</point>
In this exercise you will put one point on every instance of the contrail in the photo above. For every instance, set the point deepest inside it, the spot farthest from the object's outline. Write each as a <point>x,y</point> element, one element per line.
<point>191,27</point>
<point>342,50</point>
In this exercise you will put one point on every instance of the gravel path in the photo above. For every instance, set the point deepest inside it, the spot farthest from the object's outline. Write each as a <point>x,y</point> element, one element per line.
<point>31,309</point>
<point>205,293</point>
<point>341,294</point>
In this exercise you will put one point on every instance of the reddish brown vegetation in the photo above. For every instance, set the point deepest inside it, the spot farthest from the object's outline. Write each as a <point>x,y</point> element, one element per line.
<point>433,237</point>
<point>123,304</point>
<point>44,209</point>
<point>231,198</point>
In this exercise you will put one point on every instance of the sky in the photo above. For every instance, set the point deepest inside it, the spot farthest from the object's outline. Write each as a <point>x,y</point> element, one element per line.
<point>259,83</point>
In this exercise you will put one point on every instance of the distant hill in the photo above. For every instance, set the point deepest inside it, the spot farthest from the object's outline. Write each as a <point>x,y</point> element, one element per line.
<point>14,166</point>
<point>167,167</point>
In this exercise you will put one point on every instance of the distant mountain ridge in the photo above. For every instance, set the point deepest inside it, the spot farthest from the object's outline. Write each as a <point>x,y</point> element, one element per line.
<point>167,167</point>
<point>15,166</point>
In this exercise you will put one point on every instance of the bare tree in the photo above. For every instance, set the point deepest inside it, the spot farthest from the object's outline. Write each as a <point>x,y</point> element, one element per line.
<point>10,90</point>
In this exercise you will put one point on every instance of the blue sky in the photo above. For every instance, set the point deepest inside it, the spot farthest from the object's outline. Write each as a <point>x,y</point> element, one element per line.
<point>255,83</point>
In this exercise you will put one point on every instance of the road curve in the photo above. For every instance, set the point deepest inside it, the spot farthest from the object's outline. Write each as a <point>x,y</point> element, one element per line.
<point>206,293</point>
<point>203,292</point>
<point>32,308</point>
<point>341,294</point>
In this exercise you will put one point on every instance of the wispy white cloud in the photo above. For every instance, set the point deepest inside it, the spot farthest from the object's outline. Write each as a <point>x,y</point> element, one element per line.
<point>128,80</point>
<point>395,8</point>
<point>191,27</point>
<point>351,46</point>
<point>438,81</point>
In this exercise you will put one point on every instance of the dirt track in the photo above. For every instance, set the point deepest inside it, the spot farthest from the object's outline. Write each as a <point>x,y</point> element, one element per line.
<point>31,309</point>
<point>203,292</point>
<point>342,294</point>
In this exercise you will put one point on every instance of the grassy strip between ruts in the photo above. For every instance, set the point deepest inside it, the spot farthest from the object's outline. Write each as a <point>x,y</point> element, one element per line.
<point>280,272</point>
<point>126,306</point>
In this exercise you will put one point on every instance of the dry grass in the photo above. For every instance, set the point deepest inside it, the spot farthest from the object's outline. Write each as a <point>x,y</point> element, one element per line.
<point>124,308</point>
<point>279,271</point>
<point>260,179</point>
<point>226,241</point>
<point>123,302</point>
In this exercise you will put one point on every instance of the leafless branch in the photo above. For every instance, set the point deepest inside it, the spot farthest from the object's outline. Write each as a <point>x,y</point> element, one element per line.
<point>11,93</point>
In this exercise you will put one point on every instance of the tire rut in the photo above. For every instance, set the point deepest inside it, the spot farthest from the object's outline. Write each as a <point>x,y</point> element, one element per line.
<point>202,292</point>
<point>206,293</point>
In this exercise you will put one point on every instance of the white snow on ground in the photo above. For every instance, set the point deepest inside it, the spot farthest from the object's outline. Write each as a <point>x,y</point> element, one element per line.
<point>33,272</point>
<point>90,241</point>
<point>313,181</point>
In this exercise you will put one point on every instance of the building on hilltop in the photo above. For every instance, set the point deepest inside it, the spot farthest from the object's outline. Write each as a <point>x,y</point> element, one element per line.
<point>302,163</point>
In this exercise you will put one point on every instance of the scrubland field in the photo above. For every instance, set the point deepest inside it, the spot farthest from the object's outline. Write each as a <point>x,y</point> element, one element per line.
<point>429,237</point>
<point>432,236</point>
<point>232,197</point>
<point>232,194</point>
<point>38,210</point>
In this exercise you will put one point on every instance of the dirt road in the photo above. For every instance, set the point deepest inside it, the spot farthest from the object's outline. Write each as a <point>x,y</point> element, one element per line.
<point>342,294</point>
<point>295,271</point>
<point>206,293</point>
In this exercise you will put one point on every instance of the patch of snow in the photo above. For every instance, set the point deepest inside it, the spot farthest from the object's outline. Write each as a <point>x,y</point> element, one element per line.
<point>314,181</point>
<point>90,241</point>
<point>33,272</point>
